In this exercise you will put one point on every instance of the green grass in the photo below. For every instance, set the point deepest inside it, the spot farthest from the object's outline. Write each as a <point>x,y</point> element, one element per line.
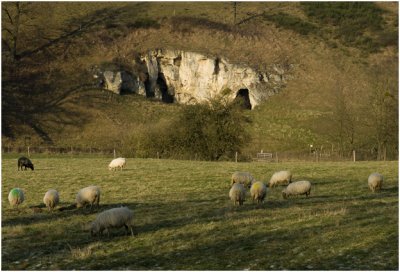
<point>359,25</point>
<point>290,22</point>
<point>185,220</point>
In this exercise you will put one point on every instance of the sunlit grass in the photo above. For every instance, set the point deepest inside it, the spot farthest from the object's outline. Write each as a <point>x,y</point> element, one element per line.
<point>185,220</point>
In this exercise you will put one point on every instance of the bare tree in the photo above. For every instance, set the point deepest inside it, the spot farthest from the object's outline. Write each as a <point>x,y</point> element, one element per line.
<point>345,119</point>
<point>17,19</point>
<point>384,121</point>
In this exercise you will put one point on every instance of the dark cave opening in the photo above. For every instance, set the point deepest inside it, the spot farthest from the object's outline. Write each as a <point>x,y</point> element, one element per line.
<point>166,97</point>
<point>242,97</point>
<point>147,87</point>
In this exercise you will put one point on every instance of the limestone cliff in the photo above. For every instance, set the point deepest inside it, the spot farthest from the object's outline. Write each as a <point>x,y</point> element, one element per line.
<point>188,77</point>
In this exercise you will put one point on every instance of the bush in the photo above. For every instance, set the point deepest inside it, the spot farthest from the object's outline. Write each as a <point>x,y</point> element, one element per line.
<point>211,130</point>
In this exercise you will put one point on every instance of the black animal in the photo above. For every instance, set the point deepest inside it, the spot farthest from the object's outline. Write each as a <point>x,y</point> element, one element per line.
<point>25,162</point>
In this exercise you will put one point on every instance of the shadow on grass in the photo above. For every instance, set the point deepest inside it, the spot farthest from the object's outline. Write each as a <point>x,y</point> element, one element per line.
<point>177,214</point>
<point>39,213</point>
<point>238,253</point>
<point>377,256</point>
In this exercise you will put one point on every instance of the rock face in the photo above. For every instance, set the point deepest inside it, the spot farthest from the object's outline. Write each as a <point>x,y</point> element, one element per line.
<point>122,82</point>
<point>188,77</point>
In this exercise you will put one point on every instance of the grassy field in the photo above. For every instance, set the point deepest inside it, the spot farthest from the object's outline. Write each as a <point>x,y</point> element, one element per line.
<point>185,221</point>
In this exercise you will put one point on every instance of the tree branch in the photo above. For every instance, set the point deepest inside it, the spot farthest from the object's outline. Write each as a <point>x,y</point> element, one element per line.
<point>8,14</point>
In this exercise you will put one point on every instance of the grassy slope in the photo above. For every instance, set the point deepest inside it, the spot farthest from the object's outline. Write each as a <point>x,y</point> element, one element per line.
<point>185,220</point>
<point>291,120</point>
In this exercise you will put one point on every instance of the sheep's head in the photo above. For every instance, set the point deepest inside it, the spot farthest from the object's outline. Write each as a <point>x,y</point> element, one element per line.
<point>94,229</point>
<point>284,195</point>
<point>30,166</point>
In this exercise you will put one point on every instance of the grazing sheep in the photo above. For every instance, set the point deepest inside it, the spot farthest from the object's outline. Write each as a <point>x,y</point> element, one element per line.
<point>112,218</point>
<point>375,181</point>
<point>117,163</point>
<point>258,191</point>
<point>88,195</point>
<point>244,178</point>
<point>297,188</point>
<point>237,193</point>
<point>25,162</point>
<point>16,197</point>
<point>280,178</point>
<point>51,199</point>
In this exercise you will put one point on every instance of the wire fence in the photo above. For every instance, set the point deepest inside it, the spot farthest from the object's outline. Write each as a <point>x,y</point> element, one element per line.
<point>290,156</point>
<point>57,150</point>
<point>270,156</point>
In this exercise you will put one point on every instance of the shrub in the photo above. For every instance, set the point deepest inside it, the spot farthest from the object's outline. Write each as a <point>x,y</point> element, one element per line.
<point>211,130</point>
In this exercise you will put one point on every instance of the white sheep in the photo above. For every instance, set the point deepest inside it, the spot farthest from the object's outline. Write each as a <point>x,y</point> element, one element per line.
<point>302,187</point>
<point>375,181</point>
<point>51,199</point>
<point>280,178</point>
<point>88,195</point>
<point>112,218</point>
<point>258,191</point>
<point>237,194</point>
<point>117,163</point>
<point>244,178</point>
<point>16,197</point>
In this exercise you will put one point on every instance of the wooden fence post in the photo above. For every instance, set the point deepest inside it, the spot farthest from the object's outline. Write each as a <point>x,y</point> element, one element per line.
<point>354,155</point>
<point>114,153</point>
<point>28,152</point>
<point>236,156</point>
<point>276,156</point>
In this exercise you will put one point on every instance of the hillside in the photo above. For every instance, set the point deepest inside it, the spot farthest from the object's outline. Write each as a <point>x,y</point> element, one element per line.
<point>342,87</point>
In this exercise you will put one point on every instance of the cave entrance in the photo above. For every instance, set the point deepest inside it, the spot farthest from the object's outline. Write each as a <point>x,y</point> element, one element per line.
<point>243,99</point>
<point>148,87</point>
<point>166,97</point>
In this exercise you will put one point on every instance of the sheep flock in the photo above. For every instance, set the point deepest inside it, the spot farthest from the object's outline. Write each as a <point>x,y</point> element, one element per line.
<point>118,217</point>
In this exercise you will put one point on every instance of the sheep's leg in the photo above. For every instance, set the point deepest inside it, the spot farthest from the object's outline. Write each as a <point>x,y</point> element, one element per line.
<point>98,201</point>
<point>126,229</point>
<point>108,232</point>
<point>131,231</point>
